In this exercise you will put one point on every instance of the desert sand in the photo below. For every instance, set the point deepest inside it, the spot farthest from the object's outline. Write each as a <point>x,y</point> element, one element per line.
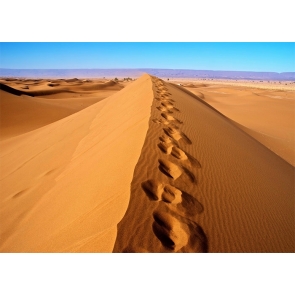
<point>145,166</point>
<point>266,111</point>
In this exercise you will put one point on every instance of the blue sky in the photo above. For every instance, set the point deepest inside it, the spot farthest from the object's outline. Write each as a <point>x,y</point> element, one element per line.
<point>268,57</point>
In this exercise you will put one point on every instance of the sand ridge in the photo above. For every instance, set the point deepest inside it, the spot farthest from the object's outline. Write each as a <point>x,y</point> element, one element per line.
<point>62,187</point>
<point>204,185</point>
<point>169,225</point>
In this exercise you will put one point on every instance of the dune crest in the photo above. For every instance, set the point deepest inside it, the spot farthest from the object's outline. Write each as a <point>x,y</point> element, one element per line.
<point>65,186</point>
<point>203,185</point>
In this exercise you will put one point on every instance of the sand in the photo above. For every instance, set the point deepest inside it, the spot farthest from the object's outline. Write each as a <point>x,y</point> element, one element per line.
<point>264,112</point>
<point>30,104</point>
<point>151,167</point>
<point>66,185</point>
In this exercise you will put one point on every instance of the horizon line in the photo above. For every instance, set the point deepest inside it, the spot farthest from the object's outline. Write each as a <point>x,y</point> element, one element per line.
<point>175,69</point>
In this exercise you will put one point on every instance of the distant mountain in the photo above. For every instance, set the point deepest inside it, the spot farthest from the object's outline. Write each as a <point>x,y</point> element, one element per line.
<point>134,73</point>
<point>222,74</point>
<point>70,73</point>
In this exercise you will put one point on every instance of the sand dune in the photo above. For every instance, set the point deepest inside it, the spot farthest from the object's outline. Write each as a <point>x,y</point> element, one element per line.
<point>265,114</point>
<point>203,185</point>
<point>150,168</point>
<point>48,87</point>
<point>45,102</point>
<point>65,186</point>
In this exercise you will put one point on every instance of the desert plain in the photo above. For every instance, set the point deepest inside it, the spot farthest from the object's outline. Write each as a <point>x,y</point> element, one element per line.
<point>146,165</point>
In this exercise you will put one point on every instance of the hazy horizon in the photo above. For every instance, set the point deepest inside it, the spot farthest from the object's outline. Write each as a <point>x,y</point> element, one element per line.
<point>142,68</point>
<point>135,73</point>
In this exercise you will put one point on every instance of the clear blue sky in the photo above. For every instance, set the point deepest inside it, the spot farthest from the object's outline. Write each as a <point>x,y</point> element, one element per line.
<point>268,57</point>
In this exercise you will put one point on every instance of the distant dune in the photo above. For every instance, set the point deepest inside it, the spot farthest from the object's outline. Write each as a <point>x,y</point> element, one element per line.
<point>31,104</point>
<point>140,166</point>
<point>135,73</point>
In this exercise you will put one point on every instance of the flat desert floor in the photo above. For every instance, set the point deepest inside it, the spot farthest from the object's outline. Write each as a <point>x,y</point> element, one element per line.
<point>146,166</point>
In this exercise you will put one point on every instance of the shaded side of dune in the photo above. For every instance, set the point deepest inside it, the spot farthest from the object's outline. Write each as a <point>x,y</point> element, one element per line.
<point>203,185</point>
<point>11,90</point>
<point>68,86</point>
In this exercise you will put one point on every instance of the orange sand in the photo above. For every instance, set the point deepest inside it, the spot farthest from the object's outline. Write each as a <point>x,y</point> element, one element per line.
<point>148,168</point>
<point>267,114</point>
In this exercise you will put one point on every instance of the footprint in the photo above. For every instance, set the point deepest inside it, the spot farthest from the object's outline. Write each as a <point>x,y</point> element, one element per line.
<point>157,191</point>
<point>167,116</point>
<point>171,118</point>
<point>163,109</point>
<point>170,169</point>
<point>172,234</point>
<point>165,138</point>
<point>163,99</point>
<point>153,189</point>
<point>164,93</point>
<point>173,133</point>
<point>176,134</point>
<point>165,147</point>
<point>170,100</point>
<point>160,121</point>
<point>169,106</point>
<point>178,153</point>
<point>157,121</point>
<point>181,155</point>
<point>179,201</point>
<point>171,194</point>
<point>177,233</point>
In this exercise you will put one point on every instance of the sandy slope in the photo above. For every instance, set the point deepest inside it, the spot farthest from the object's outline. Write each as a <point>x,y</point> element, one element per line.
<point>30,104</point>
<point>65,186</point>
<point>266,114</point>
<point>199,183</point>
<point>203,185</point>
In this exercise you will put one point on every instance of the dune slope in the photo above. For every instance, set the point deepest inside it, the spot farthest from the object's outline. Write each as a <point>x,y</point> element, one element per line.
<point>265,114</point>
<point>27,105</point>
<point>65,186</point>
<point>150,168</point>
<point>204,185</point>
